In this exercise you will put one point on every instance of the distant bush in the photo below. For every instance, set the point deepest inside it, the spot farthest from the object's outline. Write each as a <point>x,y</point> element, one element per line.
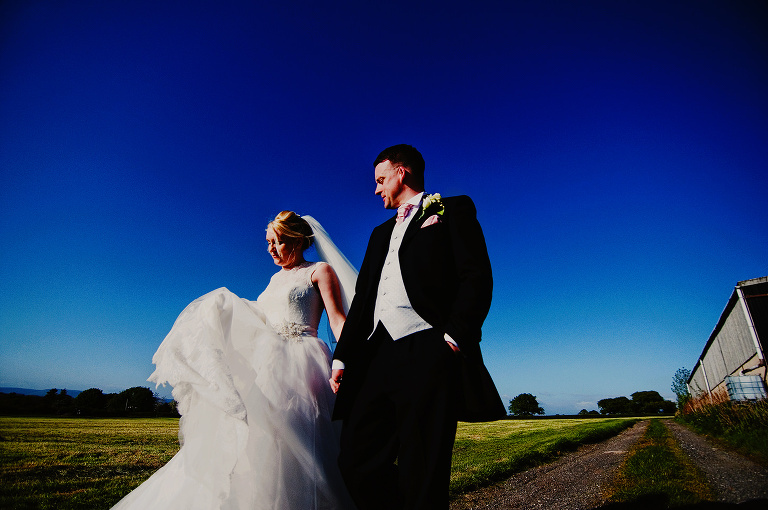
<point>741,424</point>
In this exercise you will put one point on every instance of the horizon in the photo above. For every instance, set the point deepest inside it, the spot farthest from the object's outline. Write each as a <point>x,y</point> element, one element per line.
<point>74,393</point>
<point>615,153</point>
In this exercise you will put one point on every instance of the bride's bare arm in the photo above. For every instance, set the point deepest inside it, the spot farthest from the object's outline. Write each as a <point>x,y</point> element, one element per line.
<point>328,285</point>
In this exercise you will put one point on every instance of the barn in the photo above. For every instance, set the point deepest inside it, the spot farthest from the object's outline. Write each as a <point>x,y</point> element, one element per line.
<point>733,360</point>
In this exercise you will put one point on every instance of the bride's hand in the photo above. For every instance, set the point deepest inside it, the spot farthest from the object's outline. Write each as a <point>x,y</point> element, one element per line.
<point>335,379</point>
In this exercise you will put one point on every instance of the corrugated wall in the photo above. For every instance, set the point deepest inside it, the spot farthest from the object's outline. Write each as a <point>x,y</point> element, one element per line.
<point>730,349</point>
<point>698,384</point>
<point>732,346</point>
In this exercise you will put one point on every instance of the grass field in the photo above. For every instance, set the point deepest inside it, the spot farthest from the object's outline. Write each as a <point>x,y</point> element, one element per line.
<point>488,452</point>
<point>71,463</point>
<point>61,463</point>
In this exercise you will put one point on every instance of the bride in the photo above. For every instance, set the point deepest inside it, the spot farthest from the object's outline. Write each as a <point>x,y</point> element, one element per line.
<point>251,382</point>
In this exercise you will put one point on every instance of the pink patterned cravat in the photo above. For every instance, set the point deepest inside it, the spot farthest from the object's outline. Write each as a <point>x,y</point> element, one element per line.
<point>403,211</point>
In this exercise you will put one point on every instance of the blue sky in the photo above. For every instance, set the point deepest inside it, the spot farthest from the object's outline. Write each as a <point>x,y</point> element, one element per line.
<point>616,152</point>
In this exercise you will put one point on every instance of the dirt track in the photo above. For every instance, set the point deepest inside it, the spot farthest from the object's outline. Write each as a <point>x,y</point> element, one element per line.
<point>735,478</point>
<point>579,480</point>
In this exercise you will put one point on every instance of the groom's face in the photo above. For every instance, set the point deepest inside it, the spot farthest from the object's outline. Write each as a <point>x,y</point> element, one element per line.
<point>389,183</point>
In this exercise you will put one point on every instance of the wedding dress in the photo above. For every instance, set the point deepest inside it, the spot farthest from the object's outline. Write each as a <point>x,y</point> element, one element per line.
<point>251,382</point>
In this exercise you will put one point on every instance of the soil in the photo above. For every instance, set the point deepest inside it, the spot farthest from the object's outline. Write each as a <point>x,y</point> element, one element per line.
<point>580,480</point>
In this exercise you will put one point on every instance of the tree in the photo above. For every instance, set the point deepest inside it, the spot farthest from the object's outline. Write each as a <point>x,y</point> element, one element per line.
<point>169,408</point>
<point>642,403</point>
<point>642,397</point>
<point>57,402</point>
<point>91,401</point>
<point>131,401</point>
<point>680,386</point>
<point>647,402</point>
<point>668,407</point>
<point>650,402</point>
<point>524,404</point>
<point>139,399</point>
<point>618,405</point>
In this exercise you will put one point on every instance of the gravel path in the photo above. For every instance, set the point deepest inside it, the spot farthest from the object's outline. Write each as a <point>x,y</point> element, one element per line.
<point>735,478</point>
<point>578,480</point>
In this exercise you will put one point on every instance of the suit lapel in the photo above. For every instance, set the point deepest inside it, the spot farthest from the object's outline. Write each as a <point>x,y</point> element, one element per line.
<point>413,226</point>
<point>383,234</point>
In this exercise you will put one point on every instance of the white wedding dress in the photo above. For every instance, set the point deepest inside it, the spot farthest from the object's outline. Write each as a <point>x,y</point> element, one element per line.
<point>251,382</point>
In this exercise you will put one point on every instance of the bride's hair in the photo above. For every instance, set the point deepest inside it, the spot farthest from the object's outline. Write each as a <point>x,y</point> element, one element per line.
<point>288,224</point>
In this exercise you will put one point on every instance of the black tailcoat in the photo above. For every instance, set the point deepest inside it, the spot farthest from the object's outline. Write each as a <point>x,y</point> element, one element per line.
<point>447,276</point>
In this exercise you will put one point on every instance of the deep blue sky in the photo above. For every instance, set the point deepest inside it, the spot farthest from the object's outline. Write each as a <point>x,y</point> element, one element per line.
<point>617,153</point>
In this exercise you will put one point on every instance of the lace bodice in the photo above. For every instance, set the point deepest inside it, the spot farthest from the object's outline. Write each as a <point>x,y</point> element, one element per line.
<point>291,303</point>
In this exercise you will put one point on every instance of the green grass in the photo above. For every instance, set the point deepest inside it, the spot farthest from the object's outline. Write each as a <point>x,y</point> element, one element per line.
<point>485,453</point>
<point>72,463</point>
<point>60,463</point>
<point>657,473</point>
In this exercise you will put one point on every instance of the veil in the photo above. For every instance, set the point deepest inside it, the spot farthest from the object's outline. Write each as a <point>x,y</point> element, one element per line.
<point>329,253</point>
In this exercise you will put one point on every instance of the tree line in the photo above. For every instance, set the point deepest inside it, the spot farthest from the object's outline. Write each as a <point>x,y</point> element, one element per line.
<point>141,401</point>
<point>643,403</point>
<point>136,402</point>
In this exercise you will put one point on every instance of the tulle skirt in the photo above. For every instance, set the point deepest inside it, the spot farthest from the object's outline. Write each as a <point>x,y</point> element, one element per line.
<point>256,431</point>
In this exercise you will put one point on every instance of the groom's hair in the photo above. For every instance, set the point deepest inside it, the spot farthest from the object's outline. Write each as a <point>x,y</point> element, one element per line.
<point>407,156</point>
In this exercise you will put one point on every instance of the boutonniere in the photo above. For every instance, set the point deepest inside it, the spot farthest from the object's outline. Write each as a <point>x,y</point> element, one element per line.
<point>433,204</point>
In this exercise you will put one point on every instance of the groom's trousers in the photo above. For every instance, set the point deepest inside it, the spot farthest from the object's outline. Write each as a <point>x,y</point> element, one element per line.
<point>397,442</point>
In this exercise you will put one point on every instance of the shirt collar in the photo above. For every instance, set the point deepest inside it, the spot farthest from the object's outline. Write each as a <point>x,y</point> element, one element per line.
<point>416,199</point>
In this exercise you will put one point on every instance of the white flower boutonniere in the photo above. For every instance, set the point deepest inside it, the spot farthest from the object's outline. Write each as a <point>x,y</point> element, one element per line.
<point>432,203</point>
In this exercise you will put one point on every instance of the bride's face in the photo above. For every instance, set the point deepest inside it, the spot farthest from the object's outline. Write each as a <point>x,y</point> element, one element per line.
<point>284,254</point>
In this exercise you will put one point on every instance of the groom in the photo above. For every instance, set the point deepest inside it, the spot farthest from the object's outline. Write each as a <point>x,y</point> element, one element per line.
<point>408,365</point>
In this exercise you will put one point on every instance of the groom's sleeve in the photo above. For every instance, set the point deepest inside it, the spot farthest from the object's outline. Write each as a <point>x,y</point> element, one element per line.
<point>474,278</point>
<point>354,326</point>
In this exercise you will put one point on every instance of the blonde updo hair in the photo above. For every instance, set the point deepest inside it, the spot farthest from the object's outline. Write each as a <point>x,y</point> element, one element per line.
<point>291,227</point>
